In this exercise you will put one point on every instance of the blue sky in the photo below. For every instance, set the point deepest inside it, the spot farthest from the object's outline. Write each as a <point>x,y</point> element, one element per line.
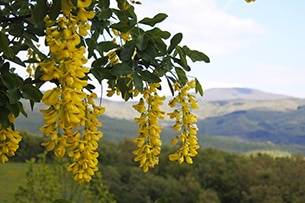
<point>258,45</point>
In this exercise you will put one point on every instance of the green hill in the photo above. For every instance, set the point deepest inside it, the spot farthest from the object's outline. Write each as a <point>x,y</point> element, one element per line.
<point>233,124</point>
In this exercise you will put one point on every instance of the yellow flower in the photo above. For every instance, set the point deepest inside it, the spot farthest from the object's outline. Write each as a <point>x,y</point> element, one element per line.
<point>140,107</point>
<point>83,3</point>
<point>83,15</point>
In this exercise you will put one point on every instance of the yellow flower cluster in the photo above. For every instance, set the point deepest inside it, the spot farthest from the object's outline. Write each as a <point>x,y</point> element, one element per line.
<point>148,140</point>
<point>249,1</point>
<point>71,120</point>
<point>185,123</point>
<point>9,142</point>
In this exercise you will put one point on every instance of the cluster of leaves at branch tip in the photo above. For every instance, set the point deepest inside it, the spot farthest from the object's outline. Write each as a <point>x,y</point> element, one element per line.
<point>131,55</point>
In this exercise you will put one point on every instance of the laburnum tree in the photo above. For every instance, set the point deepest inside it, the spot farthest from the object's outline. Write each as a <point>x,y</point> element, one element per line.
<point>88,39</point>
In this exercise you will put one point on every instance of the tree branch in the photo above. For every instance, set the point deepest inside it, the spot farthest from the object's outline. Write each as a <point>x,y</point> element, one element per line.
<point>14,19</point>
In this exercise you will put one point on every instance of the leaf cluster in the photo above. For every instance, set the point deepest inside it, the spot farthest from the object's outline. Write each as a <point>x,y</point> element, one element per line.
<point>149,54</point>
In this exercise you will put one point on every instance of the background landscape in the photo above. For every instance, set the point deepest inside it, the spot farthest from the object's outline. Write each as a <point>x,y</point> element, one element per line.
<point>252,150</point>
<point>230,119</point>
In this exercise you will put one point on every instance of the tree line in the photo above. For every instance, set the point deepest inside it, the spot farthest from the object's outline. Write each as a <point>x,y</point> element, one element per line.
<point>215,176</point>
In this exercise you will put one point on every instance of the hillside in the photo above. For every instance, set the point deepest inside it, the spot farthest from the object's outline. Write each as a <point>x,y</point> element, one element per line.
<point>225,94</point>
<point>275,118</point>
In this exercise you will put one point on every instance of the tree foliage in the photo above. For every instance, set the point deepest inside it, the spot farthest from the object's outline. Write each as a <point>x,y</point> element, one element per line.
<point>132,55</point>
<point>215,176</point>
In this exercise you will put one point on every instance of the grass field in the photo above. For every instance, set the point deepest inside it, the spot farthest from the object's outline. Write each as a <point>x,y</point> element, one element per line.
<point>11,176</point>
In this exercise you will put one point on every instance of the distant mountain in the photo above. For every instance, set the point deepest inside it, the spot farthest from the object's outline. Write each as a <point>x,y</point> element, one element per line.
<point>242,113</point>
<point>224,94</point>
<point>286,127</point>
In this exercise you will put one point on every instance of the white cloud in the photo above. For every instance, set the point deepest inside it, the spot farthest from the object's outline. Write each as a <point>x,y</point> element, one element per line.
<point>205,26</point>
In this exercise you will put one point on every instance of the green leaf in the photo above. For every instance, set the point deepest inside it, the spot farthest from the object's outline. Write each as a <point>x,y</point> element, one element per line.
<point>105,14</point>
<point>126,52</point>
<point>39,11</point>
<point>102,73</point>
<point>3,98</point>
<point>182,61</point>
<point>149,77</point>
<point>106,46</point>
<point>91,46</point>
<point>158,32</point>
<point>104,3</point>
<point>21,109</point>
<point>174,42</point>
<point>11,80</point>
<point>100,62</point>
<point>181,75</point>
<point>122,26</point>
<point>5,45</point>
<point>13,108</point>
<point>31,92</point>
<point>170,85</point>
<point>55,9</point>
<point>195,55</point>
<point>137,81</point>
<point>121,69</point>
<point>185,67</point>
<point>142,42</point>
<point>160,46</point>
<point>161,200</point>
<point>16,29</point>
<point>148,54</point>
<point>13,95</point>
<point>18,61</point>
<point>124,89</point>
<point>198,87</point>
<point>5,67</point>
<point>153,21</point>
<point>3,116</point>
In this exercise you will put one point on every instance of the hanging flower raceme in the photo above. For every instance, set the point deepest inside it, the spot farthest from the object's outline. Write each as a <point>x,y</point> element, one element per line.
<point>71,120</point>
<point>184,123</point>
<point>148,140</point>
<point>9,141</point>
